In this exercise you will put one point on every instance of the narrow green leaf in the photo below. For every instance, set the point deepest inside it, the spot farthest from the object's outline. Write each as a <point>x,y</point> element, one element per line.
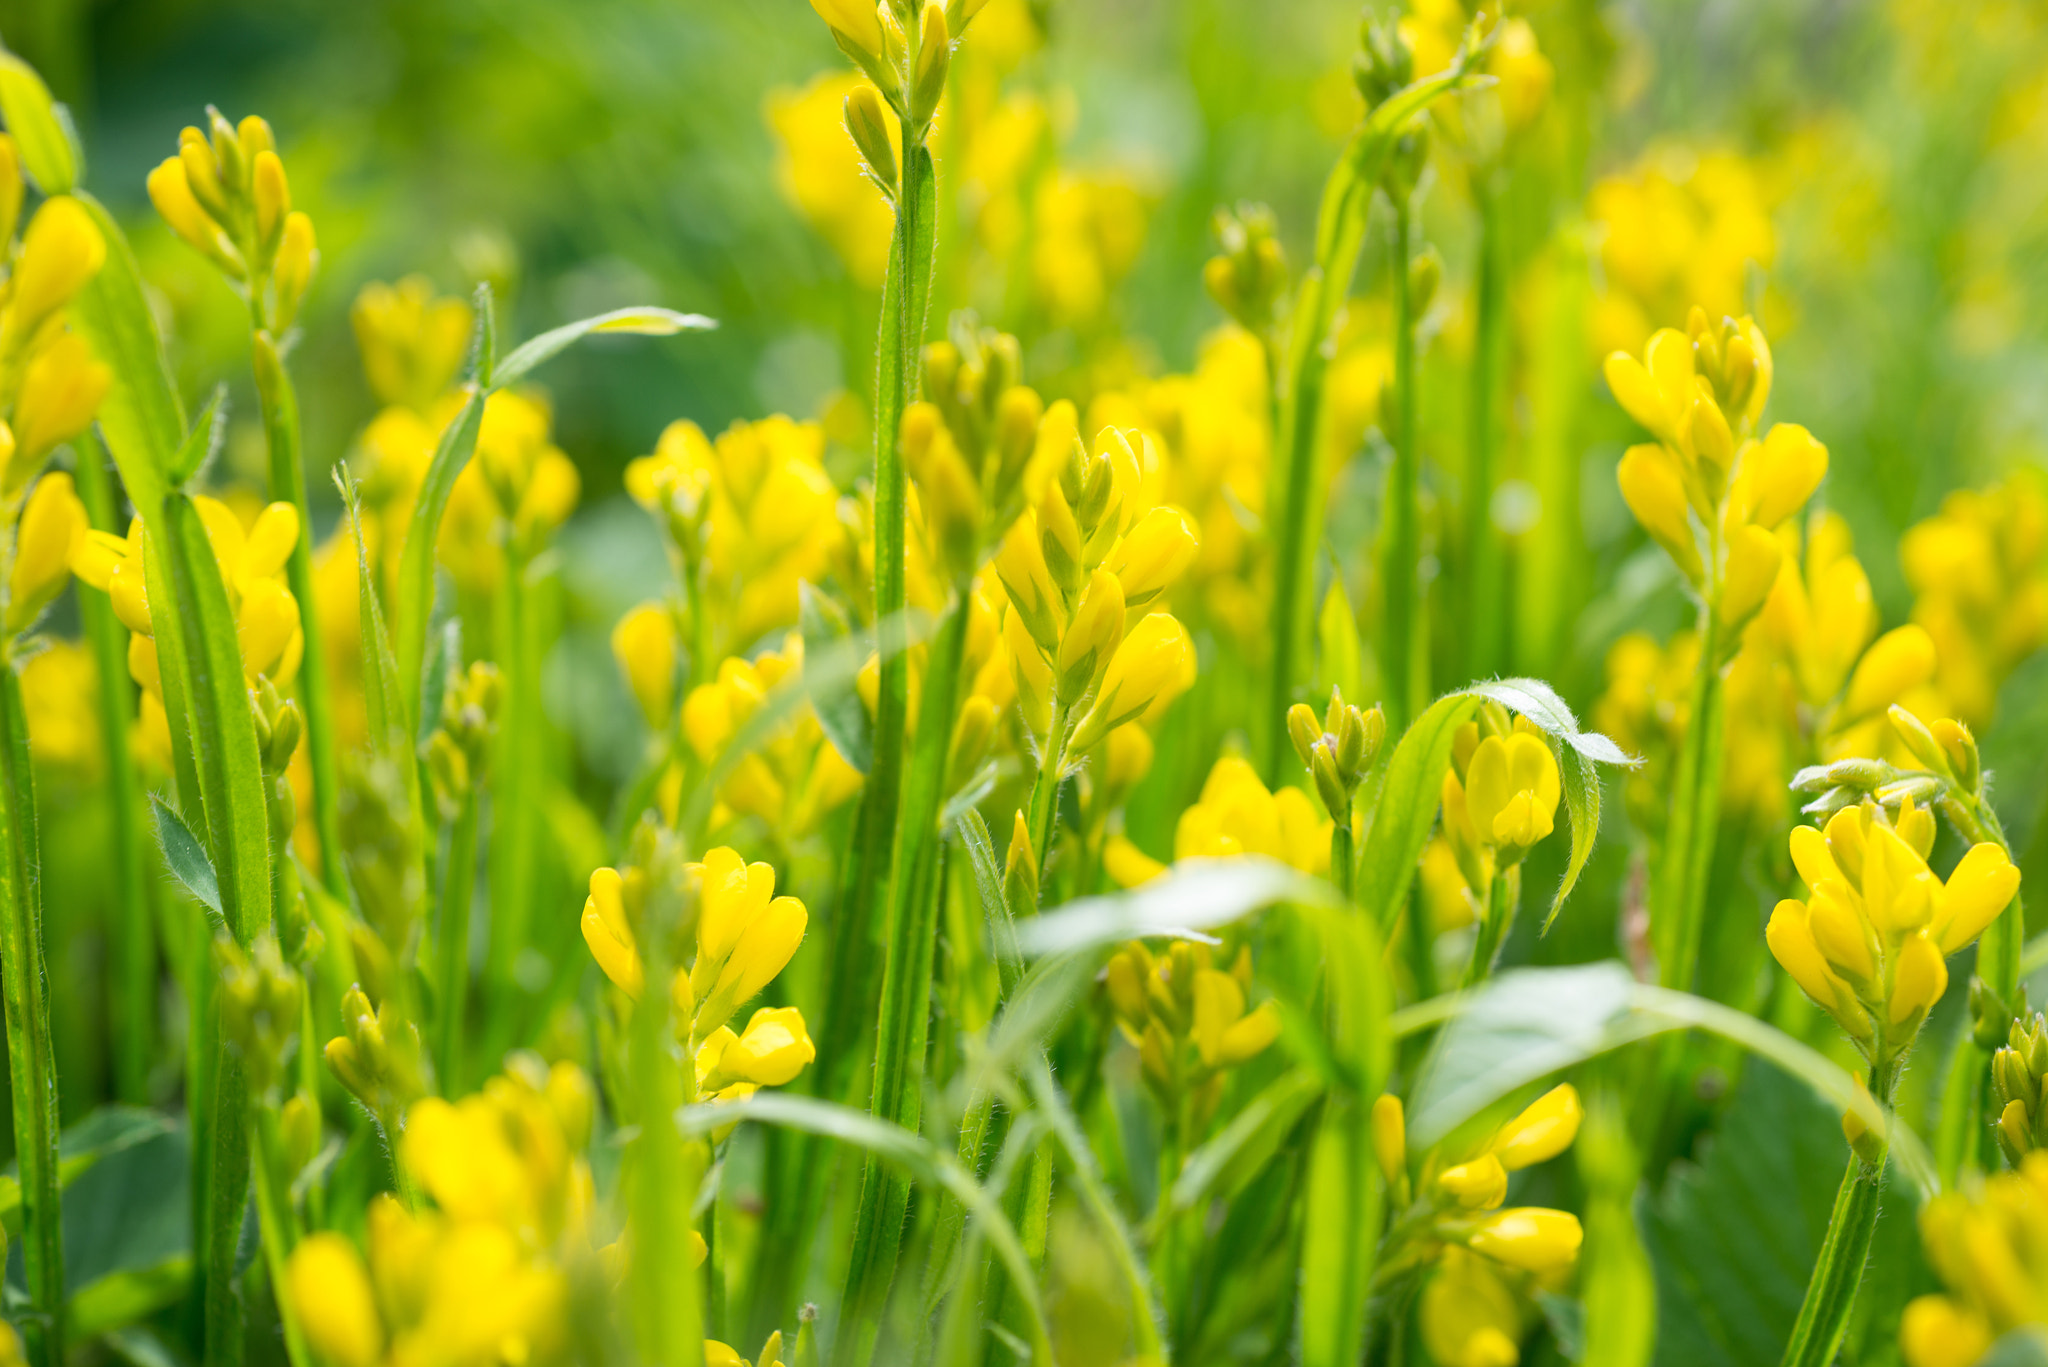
<point>995,907</point>
<point>893,1144</point>
<point>645,321</point>
<point>1193,895</point>
<point>1539,702</point>
<point>203,442</point>
<point>1343,654</point>
<point>413,607</point>
<point>841,714</point>
<point>383,687</point>
<point>41,131</point>
<point>1407,807</point>
<point>185,855</point>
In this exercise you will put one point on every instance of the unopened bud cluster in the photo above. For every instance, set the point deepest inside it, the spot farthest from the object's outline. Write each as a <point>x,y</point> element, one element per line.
<point>1188,1020</point>
<point>460,747</point>
<point>260,996</point>
<point>1249,278</point>
<point>1338,750</point>
<point>967,445</point>
<point>226,195</point>
<point>905,51</point>
<point>2017,1070</point>
<point>377,1055</point>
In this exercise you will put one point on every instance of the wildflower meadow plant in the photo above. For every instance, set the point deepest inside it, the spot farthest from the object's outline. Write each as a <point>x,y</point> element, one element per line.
<point>1019,801</point>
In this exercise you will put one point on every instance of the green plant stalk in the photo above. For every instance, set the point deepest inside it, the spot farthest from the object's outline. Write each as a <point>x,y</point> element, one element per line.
<point>1343,860</point>
<point>1340,1239</point>
<point>280,405</point>
<point>515,803</point>
<point>458,889</point>
<point>1831,1292</point>
<point>133,934</point>
<point>1678,905</point>
<point>278,1223</point>
<point>666,1299</point>
<point>31,1054</point>
<point>1404,668</point>
<point>1503,899</point>
<point>1045,789</point>
<point>1484,624</point>
<point>1962,1107</point>
<point>902,1030</point>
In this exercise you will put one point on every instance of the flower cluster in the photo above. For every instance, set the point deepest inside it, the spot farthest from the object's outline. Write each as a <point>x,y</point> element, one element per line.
<point>226,195</point>
<point>1188,1021</point>
<point>1986,1248</point>
<point>1235,814</point>
<point>796,777</point>
<point>1979,571</point>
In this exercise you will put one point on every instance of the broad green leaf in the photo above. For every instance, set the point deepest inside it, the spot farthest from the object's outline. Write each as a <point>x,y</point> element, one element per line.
<point>1735,1237</point>
<point>185,855</point>
<point>121,1298</point>
<point>893,1144</point>
<point>41,131</point>
<point>646,322</point>
<point>1408,802</point>
<point>224,728</point>
<point>1531,1022</point>
<point>1219,1169</point>
<point>1539,702</point>
<point>1193,895</point>
<point>841,714</point>
<point>102,1134</point>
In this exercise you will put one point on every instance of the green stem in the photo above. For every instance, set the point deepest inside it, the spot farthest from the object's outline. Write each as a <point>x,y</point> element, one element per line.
<point>133,934</point>
<point>1831,1292</point>
<point>1678,907</point>
<point>31,1055</point>
<point>1343,860</point>
<point>1483,627</point>
<point>279,1224</point>
<point>1045,788</point>
<point>1405,671</point>
<point>1502,901</point>
<point>667,1304</point>
<point>902,1030</point>
<point>515,805</point>
<point>227,1186</point>
<point>280,406</point>
<point>452,946</point>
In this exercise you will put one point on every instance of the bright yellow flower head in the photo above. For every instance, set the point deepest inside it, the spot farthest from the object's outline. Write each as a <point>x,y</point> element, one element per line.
<point>412,342</point>
<point>1979,572</point>
<point>226,195</point>
<point>796,776</point>
<point>1238,815</point>
<point>1870,942</point>
<point>1987,1250</point>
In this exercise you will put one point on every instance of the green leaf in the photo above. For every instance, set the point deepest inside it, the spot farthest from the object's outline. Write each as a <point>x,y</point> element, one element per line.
<point>841,714</point>
<point>1529,1023</point>
<point>412,610</point>
<point>127,1229</point>
<point>383,689</point>
<point>1408,802</point>
<point>41,130</point>
<point>121,1298</point>
<point>1193,895</point>
<point>645,321</point>
<point>2026,1346</point>
<point>224,727</point>
<point>141,417</point>
<point>105,1132</point>
<point>995,906</point>
<point>893,1144</point>
<point>1539,702</point>
<point>203,442</point>
<point>185,855</point>
<point>1735,1236</point>
<point>1219,1169</point>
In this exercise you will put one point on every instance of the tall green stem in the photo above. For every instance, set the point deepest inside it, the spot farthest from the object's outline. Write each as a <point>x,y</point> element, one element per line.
<point>280,405</point>
<point>458,889</point>
<point>132,937</point>
<point>1045,789</point>
<point>1484,621</point>
<point>1403,665</point>
<point>1831,1292</point>
<point>515,802</point>
<point>901,1032</point>
<point>1678,906</point>
<point>31,1055</point>
<point>278,1223</point>
<point>1503,896</point>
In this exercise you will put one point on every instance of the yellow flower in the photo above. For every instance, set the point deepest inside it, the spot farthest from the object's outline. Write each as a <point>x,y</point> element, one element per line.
<point>795,777</point>
<point>1187,1019</point>
<point>745,934</point>
<point>411,342</point>
<point>1985,1248</point>
<point>1470,1317</point>
<point>644,643</point>
<point>1511,792</point>
<point>61,391</point>
<point>58,686</point>
<point>1869,943</point>
<point>771,1051</point>
<point>335,1304</point>
<point>1979,573</point>
<point>61,250</point>
<point>1530,1238</point>
<point>1236,814</point>
<point>51,524</point>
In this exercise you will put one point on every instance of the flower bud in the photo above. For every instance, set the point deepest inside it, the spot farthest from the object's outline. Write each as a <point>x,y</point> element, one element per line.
<point>1389,1138</point>
<point>1960,746</point>
<point>52,522</point>
<point>1155,661</point>
<point>60,252</point>
<point>61,391</point>
<point>1153,554</point>
<point>273,200</point>
<point>644,643</point>
<point>1020,870</point>
<point>296,257</point>
<point>1530,1238</point>
<point>1478,1185</point>
<point>856,23</point>
<point>1304,730</point>
<point>868,122</point>
<point>1542,1131</point>
<point>934,52</point>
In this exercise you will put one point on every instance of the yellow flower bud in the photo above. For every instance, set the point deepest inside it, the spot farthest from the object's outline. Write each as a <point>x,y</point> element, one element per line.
<point>1091,638</point>
<point>60,252</point>
<point>60,392</point>
<point>293,270</point>
<point>1896,663</point>
<point>1754,557</point>
<point>856,22</point>
<point>51,523</point>
<point>607,933</point>
<point>644,643</point>
<point>1542,1131</point>
<point>171,192</point>
<point>771,1051</point>
<point>1936,1332</point>
<point>1654,490</point>
<point>1656,391</point>
<point>1919,979</point>
<point>1390,1137</point>
<point>1034,600</point>
<point>1478,1185</point>
<point>1029,672</point>
<point>873,134</point>
<point>1156,661</point>
<point>1779,474</point>
<point>330,1291</point>
<point>1224,1034</point>
<point>11,188</point>
<point>1705,430</point>
<point>273,199</point>
<point>202,172</point>
<point>1983,885</point>
<point>1153,554</point>
<point>1531,1238</point>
